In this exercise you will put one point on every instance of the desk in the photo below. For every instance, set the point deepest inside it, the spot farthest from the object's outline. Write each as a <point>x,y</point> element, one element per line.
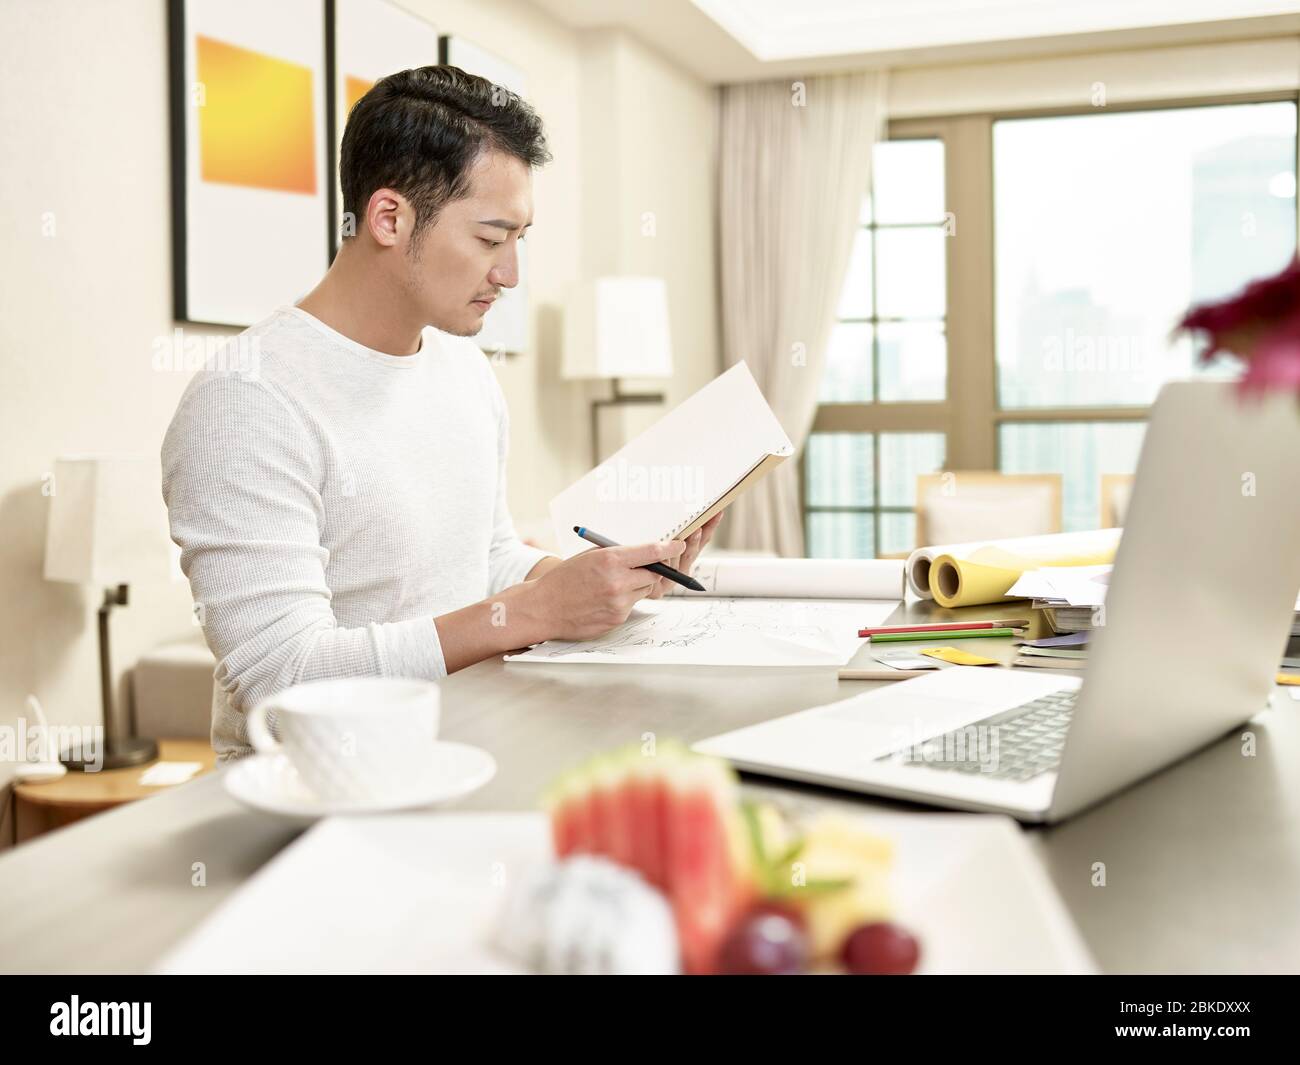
<point>1203,860</point>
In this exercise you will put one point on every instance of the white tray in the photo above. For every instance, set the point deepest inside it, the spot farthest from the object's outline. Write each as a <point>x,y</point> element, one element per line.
<point>419,892</point>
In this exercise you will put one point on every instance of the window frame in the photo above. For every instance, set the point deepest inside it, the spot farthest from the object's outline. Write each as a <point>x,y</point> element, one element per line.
<point>971,426</point>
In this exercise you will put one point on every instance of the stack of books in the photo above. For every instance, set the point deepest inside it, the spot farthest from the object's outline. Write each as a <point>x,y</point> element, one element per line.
<point>1069,651</point>
<point>1067,619</point>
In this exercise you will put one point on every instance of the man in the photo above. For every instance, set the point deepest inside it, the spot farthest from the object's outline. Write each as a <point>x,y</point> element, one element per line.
<point>341,511</point>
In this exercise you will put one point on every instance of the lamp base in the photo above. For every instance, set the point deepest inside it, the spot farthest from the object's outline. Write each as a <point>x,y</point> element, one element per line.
<point>118,754</point>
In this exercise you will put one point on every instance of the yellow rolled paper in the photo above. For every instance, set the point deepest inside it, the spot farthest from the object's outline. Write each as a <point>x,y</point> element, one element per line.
<point>989,572</point>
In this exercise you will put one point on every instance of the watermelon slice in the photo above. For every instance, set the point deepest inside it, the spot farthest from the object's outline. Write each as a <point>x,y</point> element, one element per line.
<point>647,799</point>
<point>674,817</point>
<point>570,833</point>
<point>711,881</point>
<point>603,781</point>
<point>612,777</point>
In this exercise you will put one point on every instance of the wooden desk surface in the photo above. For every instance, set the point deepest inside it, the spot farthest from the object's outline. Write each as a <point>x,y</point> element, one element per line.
<point>1203,860</point>
<point>112,787</point>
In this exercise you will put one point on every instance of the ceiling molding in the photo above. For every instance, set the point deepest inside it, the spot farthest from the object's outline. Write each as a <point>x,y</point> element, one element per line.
<point>681,32</point>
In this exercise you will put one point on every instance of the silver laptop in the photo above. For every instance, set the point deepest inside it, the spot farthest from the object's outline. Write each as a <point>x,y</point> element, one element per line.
<point>1195,621</point>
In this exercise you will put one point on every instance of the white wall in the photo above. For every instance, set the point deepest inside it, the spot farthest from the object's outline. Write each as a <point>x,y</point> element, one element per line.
<point>650,190</point>
<point>84,144</point>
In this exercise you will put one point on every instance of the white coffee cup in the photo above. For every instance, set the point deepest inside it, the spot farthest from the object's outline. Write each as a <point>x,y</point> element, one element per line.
<point>355,738</point>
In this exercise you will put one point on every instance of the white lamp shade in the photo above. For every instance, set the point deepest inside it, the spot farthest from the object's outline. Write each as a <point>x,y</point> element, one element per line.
<point>107,522</point>
<point>617,327</point>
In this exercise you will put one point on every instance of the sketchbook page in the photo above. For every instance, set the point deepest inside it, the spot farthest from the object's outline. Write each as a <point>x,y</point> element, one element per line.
<point>657,484</point>
<point>797,578</point>
<point>725,632</point>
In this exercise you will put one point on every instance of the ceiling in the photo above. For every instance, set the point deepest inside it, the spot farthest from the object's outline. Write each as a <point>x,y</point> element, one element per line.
<point>742,40</point>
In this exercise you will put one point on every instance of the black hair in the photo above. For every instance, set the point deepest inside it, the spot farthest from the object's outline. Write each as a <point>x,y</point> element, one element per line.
<point>420,130</point>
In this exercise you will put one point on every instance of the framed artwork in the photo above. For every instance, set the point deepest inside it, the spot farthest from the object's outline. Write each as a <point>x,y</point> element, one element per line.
<point>250,192</point>
<point>505,327</point>
<point>368,39</point>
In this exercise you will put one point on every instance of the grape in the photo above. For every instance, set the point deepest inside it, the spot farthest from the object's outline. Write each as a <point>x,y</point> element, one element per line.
<point>881,949</point>
<point>779,909</point>
<point>768,942</point>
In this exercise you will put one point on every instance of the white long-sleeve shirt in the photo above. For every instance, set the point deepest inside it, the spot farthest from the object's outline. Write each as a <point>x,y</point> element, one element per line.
<point>329,501</point>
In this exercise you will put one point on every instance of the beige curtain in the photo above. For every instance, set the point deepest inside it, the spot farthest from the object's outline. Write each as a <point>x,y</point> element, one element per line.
<point>794,163</point>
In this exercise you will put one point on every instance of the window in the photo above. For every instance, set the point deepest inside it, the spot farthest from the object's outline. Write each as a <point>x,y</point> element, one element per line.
<point>1032,338</point>
<point>888,345</point>
<point>1107,227</point>
<point>1080,452</point>
<point>861,491</point>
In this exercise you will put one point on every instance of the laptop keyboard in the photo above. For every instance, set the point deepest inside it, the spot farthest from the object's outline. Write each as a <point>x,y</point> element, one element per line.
<point>1017,744</point>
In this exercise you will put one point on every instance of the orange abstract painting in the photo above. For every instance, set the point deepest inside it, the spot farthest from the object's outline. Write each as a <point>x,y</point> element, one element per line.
<point>256,122</point>
<point>355,88</point>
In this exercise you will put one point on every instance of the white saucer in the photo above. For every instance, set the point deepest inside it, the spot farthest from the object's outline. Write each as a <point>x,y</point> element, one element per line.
<point>269,782</point>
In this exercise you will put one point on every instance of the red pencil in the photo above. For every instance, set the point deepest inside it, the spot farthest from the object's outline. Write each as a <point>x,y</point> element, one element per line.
<point>949,626</point>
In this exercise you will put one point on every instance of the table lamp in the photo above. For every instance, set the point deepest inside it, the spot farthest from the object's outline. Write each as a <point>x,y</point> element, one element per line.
<point>108,527</point>
<point>617,327</point>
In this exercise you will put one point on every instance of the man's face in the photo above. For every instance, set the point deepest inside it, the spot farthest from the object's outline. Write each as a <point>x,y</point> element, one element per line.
<point>471,252</point>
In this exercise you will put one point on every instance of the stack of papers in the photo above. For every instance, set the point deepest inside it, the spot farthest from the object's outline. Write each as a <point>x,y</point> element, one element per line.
<point>1068,595</point>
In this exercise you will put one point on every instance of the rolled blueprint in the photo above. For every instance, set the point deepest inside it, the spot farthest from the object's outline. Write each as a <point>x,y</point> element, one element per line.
<point>798,578</point>
<point>981,572</point>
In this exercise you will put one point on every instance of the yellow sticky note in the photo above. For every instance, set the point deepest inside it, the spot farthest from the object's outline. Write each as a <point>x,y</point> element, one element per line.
<point>958,657</point>
<point>1282,678</point>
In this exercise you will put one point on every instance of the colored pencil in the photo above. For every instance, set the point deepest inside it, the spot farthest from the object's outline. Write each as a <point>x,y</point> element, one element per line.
<point>950,626</point>
<point>945,634</point>
<point>882,674</point>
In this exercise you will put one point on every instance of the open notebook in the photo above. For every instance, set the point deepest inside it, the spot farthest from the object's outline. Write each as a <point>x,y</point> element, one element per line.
<point>681,471</point>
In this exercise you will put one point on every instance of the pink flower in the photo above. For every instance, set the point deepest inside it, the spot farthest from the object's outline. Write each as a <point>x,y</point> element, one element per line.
<point>1262,325</point>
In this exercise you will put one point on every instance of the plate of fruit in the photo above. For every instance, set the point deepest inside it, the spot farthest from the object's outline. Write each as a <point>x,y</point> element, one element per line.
<point>748,890</point>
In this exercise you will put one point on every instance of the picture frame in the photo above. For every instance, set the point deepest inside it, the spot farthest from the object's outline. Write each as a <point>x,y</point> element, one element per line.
<point>366,40</point>
<point>249,156</point>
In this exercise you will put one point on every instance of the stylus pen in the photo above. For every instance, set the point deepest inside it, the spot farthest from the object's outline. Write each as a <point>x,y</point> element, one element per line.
<point>654,567</point>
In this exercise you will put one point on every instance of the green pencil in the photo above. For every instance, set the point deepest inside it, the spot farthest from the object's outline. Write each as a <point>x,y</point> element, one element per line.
<point>951,634</point>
